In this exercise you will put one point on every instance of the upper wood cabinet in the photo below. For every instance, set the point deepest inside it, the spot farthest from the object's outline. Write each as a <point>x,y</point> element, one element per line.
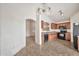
<point>57,26</point>
<point>68,25</point>
<point>53,26</point>
<point>44,25</point>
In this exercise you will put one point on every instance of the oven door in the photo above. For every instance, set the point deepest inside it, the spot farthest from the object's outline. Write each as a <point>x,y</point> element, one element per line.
<point>61,36</point>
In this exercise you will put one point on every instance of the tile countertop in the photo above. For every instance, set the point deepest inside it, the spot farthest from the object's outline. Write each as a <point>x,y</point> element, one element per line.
<point>55,30</point>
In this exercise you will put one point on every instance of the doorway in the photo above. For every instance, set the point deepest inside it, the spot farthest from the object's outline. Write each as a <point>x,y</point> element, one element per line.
<point>30,32</point>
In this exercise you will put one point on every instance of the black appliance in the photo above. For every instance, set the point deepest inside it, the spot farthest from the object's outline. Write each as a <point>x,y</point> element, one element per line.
<point>75,43</point>
<point>75,34</point>
<point>61,34</point>
<point>45,37</point>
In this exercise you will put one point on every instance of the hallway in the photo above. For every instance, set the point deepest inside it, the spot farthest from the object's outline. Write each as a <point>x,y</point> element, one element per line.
<point>50,48</point>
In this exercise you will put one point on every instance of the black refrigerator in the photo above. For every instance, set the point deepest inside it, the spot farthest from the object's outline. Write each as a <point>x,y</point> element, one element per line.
<point>75,34</point>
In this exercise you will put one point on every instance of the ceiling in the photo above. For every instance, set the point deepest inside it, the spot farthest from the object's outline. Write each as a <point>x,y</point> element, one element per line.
<point>69,9</point>
<point>29,10</point>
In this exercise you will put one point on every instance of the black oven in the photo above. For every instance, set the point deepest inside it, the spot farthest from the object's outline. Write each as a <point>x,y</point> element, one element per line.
<point>61,34</point>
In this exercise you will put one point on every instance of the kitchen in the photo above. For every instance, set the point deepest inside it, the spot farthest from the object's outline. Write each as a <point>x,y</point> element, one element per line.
<point>54,25</point>
<point>55,31</point>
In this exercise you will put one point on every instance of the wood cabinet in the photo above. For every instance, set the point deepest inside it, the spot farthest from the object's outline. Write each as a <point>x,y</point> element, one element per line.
<point>68,36</point>
<point>58,26</point>
<point>44,25</point>
<point>52,36</point>
<point>53,26</point>
<point>66,24</point>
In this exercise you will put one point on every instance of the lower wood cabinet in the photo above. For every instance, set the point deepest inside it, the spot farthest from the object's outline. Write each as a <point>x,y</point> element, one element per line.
<point>52,37</point>
<point>68,36</point>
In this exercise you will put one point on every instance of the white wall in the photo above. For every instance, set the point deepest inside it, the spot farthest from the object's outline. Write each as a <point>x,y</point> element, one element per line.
<point>75,18</point>
<point>13,26</point>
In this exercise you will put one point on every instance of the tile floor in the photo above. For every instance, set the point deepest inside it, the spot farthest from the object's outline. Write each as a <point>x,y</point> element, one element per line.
<point>50,48</point>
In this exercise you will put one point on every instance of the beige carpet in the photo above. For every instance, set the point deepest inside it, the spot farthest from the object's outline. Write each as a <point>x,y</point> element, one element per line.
<point>50,48</point>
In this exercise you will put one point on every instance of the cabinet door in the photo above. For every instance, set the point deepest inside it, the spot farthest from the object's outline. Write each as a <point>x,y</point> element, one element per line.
<point>53,26</point>
<point>68,36</point>
<point>44,25</point>
<point>49,37</point>
<point>58,26</point>
<point>68,25</point>
<point>52,37</point>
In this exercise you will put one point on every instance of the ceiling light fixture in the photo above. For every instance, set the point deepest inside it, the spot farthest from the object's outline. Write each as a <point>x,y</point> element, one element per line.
<point>44,9</point>
<point>61,12</point>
